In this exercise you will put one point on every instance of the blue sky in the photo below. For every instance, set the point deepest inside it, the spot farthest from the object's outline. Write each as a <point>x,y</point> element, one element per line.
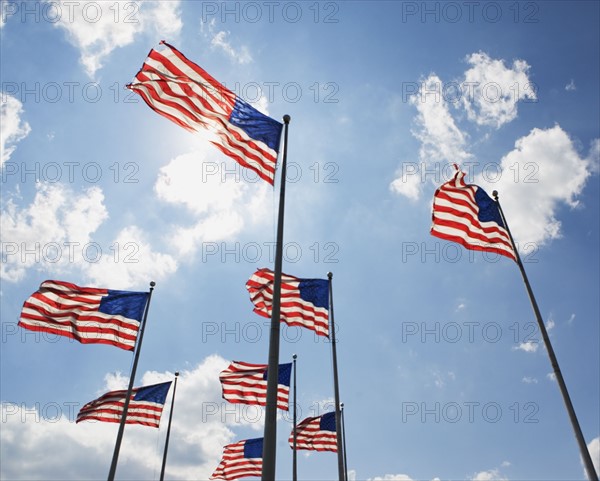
<point>441,368</point>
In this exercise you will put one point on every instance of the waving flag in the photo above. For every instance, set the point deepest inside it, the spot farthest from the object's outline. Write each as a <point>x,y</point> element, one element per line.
<point>304,302</point>
<point>86,314</point>
<point>145,406</point>
<point>183,92</point>
<point>464,213</point>
<point>316,434</point>
<point>240,460</point>
<point>246,383</point>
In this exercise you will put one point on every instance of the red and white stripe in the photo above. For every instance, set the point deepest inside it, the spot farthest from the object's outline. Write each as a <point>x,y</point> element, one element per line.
<point>183,92</point>
<point>244,383</point>
<point>455,219</point>
<point>310,436</point>
<point>295,311</point>
<point>109,408</point>
<point>234,465</point>
<point>68,310</point>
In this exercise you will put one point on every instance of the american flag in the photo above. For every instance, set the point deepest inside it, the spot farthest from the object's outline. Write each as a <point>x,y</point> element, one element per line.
<point>247,384</point>
<point>87,314</point>
<point>145,406</point>
<point>240,460</point>
<point>304,302</point>
<point>316,434</point>
<point>464,213</point>
<point>183,92</point>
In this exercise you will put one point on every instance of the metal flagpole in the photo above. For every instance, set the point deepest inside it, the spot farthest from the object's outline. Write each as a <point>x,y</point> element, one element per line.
<point>113,465</point>
<point>295,453</point>
<point>336,388</point>
<point>270,432</point>
<point>344,441</point>
<point>164,461</point>
<point>585,455</point>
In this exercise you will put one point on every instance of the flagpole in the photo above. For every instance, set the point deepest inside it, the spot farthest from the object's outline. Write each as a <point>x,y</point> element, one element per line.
<point>113,465</point>
<point>336,388</point>
<point>164,461</point>
<point>344,441</point>
<point>585,454</point>
<point>270,431</point>
<point>295,454</point>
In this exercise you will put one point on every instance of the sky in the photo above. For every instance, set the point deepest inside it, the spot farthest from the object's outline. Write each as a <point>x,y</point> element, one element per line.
<point>443,373</point>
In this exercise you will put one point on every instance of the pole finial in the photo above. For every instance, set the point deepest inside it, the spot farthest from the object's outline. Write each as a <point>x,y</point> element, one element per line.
<point>176,373</point>
<point>286,119</point>
<point>152,284</point>
<point>295,356</point>
<point>495,195</point>
<point>330,275</point>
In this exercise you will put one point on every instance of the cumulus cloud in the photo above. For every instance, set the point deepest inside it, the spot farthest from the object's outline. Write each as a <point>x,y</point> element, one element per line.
<point>491,90</point>
<point>131,262</point>
<point>36,447</point>
<point>222,197</point>
<point>570,87</point>
<point>441,139</point>
<point>52,233</point>
<point>543,172</point>
<point>98,28</point>
<point>55,234</point>
<point>13,128</point>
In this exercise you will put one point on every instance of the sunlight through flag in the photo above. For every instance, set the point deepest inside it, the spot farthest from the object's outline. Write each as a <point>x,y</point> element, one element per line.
<point>246,383</point>
<point>316,434</point>
<point>178,89</point>
<point>145,406</point>
<point>304,302</point>
<point>87,314</point>
<point>466,214</point>
<point>240,460</point>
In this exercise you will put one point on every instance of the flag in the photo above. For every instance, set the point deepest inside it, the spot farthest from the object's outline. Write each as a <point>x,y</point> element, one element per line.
<point>246,383</point>
<point>316,434</point>
<point>145,406</point>
<point>178,89</point>
<point>304,302</point>
<point>240,459</point>
<point>466,214</point>
<point>86,314</point>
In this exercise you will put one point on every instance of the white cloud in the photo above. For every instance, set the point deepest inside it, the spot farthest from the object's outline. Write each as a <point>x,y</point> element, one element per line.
<point>528,346</point>
<point>491,91</point>
<point>570,87</point>
<point>130,263</point>
<point>551,376</point>
<point>550,324</point>
<point>98,28</point>
<point>441,139</point>
<point>13,128</point>
<point>529,380</point>
<point>220,41</point>
<point>216,193</point>
<point>491,475</point>
<point>594,450</point>
<point>53,233</point>
<point>571,319</point>
<point>408,186</point>
<point>60,449</point>
<point>543,171</point>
